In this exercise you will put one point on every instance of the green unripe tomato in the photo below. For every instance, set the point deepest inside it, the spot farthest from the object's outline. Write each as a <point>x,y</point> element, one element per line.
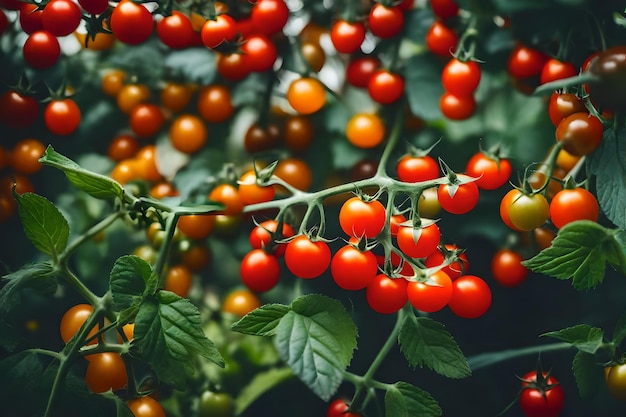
<point>216,404</point>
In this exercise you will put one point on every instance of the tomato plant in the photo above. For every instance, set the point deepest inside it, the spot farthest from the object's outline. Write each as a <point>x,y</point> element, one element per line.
<point>271,207</point>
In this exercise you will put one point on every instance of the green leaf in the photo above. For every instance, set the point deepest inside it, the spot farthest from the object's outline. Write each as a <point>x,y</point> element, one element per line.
<point>127,281</point>
<point>619,333</point>
<point>587,373</point>
<point>423,82</point>
<point>405,400</point>
<point>96,185</point>
<point>425,341</point>
<point>579,252</point>
<point>43,223</point>
<point>19,384</point>
<point>608,165</point>
<point>584,337</point>
<point>260,384</point>
<point>316,338</point>
<point>261,321</point>
<point>39,276</point>
<point>193,64</point>
<point>168,333</point>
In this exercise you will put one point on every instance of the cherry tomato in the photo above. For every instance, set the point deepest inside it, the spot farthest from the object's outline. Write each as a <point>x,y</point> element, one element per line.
<point>527,211</point>
<point>460,78</point>
<point>130,95</point>
<point>252,193</point>
<point>178,280</point>
<point>608,90</point>
<point>471,297</point>
<point>146,119</point>
<point>232,66</point>
<point>61,17</point>
<point>454,269</point>
<point>580,133</point>
<point>188,133</point>
<point>458,199</point>
<point>94,6</point>
<point>616,381</point>
<point>146,407</point>
<point>541,402</point>
<point>385,22</point>
<point>62,116</point>
<point>106,371</point>
<point>196,226</point>
<point>507,268</point>
<point>175,96</point>
<point>41,50</point>
<point>240,302</point>
<point>30,17</point>
<point>340,408</point>
<point>562,105</point>
<point>347,37</point>
<point>386,295</point>
<point>457,107</point>
<point>259,53</point>
<point>216,404</point>
<point>440,39</point>
<point>214,103</point>
<point>261,236</point>
<point>444,9</point>
<point>259,138</point>
<point>295,172</point>
<point>430,296</point>
<point>228,195</point>
<point>99,42</point>
<point>131,23</point>
<point>176,30</point>
<point>306,95</point>
<point>554,70</point>
<point>26,154</point>
<point>18,110</point>
<point>147,163</point>
<point>361,218</point>
<point>222,29</point>
<point>385,87</point>
<point>260,270</point>
<point>123,147</point>
<point>196,257</point>
<point>298,132</point>
<point>360,70</point>
<point>73,319</point>
<point>269,16</point>
<point>526,62</point>
<point>306,258</point>
<point>353,269</point>
<point>418,242</point>
<point>490,173</point>
<point>365,130</point>
<point>314,55</point>
<point>112,82</point>
<point>570,205</point>
<point>417,168</point>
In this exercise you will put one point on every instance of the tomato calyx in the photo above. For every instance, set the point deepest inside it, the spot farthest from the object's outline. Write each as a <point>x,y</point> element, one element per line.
<point>541,382</point>
<point>454,180</point>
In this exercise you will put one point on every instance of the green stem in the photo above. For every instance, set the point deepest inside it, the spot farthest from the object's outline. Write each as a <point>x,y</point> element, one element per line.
<point>89,234</point>
<point>170,229</point>
<point>389,343</point>
<point>78,285</point>
<point>484,360</point>
<point>51,353</point>
<point>394,136</point>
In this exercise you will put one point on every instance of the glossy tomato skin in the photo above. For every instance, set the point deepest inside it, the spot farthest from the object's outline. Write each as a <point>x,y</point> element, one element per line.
<point>471,297</point>
<point>146,407</point>
<point>554,70</point>
<point>609,90</point>
<point>454,269</point>
<point>347,37</point>
<point>361,218</point>
<point>306,258</point>
<point>260,271</point>
<point>106,371</point>
<point>456,107</point>
<point>61,17</point>
<point>562,105</point>
<point>216,404</point>
<point>365,130</point>
<point>240,302</point>
<point>459,201</point>
<point>62,116</point>
<point>41,50</point>
<point>444,9</point>
<point>221,29</point>
<point>386,295</point>
<point>259,53</point>
<point>214,103</point>
<point>570,205</point>
<point>507,268</point>
<point>526,62</point>
<point>73,319</point>
<point>461,78</point>
<point>261,236</point>
<point>616,381</point>
<point>176,30</point>
<point>430,296</point>
<point>18,110</point>
<point>385,87</point>
<point>340,408</point>
<point>131,23</point>
<point>269,16</point>
<point>580,133</point>
<point>360,70</point>
<point>306,95</point>
<point>535,403</point>
<point>385,22</point>
<point>26,154</point>
<point>353,269</point>
<point>440,39</point>
<point>526,211</point>
<point>490,173</point>
<point>418,243</point>
<point>417,168</point>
